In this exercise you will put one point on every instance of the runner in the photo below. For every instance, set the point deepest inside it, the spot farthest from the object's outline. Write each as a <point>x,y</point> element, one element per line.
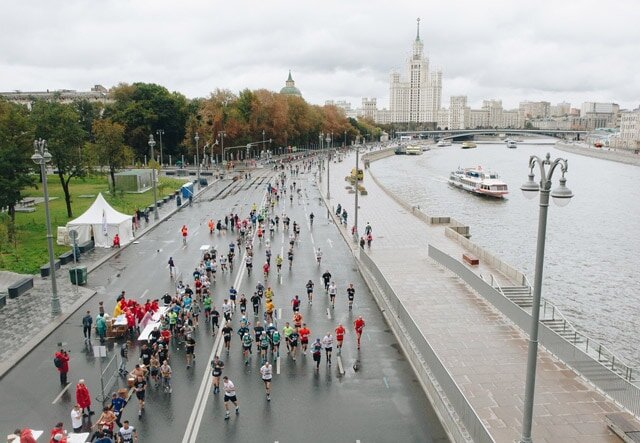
<point>249,264</point>
<point>326,277</point>
<point>140,386</point>
<point>243,304</point>
<point>304,333</point>
<point>297,320</point>
<point>309,287</point>
<point>184,231</point>
<point>318,256</point>
<point>207,303</point>
<point>265,270</point>
<point>293,342</point>
<point>266,371</point>
<point>275,343</point>
<point>327,343</point>
<point>290,257</point>
<point>211,226</point>
<point>127,434</point>
<point>351,292</point>
<point>263,344</point>
<point>226,309</point>
<point>286,332</point>
<point>226,334</point>
<point>295,304</point>
<point>279,263</point>
<point>255,302</point>
<point>190,349</point>
<point>246,346</point>
<point>215,316</point>
<point>258,330</point>
<point>316,349</point>
<point>333,290</point>
<point>216,371</point>
<point>229,396</point>
<point>339,337</point>
<point>359,325</point>
<point>165,374</point>
<point>154,369</point>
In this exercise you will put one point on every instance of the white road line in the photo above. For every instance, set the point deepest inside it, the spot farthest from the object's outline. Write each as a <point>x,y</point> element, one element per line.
<point>146,291</point>
<point>368,336</point>
<point>386,383</point>
<point>60,394</point>
<point>279,313</point>
<point>278,365</point>
<point>329,313</point>
<point>340,367</point>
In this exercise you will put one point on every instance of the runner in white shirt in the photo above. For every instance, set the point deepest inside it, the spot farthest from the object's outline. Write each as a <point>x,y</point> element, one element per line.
<point>266,371</point>
<point>223,263</point>
<point>229,396</point>
<point>127,433</point>
<point>333,290</point>
<point>318,256</point>
<point>327,344</point>
<point>226,310</point>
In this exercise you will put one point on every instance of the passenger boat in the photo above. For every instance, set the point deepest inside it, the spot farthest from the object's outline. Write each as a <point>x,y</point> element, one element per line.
<point>478,181</point>
<point>511,144</point>
<point>443,143</point>
<point>469,145</point>
<point>413,150</point>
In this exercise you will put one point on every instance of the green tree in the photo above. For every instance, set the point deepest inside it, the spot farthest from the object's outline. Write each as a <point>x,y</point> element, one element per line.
<point>110,149</point>
<point>16,167</point>
<point>59,124</point>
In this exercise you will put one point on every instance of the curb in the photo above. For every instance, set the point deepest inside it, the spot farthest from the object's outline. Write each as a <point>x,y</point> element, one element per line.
<point>13,360</point>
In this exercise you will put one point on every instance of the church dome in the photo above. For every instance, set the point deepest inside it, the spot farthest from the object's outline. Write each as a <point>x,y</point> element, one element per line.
<point>290,87</point>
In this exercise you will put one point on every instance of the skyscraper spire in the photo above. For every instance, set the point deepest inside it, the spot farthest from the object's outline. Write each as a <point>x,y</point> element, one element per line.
<point>418,29</point>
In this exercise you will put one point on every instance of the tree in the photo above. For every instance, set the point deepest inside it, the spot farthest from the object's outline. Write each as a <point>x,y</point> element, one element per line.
<point>59,124</point>
<point>16,167</point>
<point>110,148</point>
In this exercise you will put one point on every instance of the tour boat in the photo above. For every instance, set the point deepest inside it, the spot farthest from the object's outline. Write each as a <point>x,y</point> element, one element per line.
<point>443,143</point>
<point>468,145</point>
<point>511,144</point>
<point>478,181</point>
<point>413,150</point>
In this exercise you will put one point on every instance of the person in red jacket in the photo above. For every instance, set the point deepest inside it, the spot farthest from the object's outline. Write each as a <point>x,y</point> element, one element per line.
<point>116,241</point>
<point>83,398</point>
<point>63,368</point>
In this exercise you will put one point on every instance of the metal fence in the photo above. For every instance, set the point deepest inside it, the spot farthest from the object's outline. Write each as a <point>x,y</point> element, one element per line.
<point>608,381</point>
<point>426,356</point>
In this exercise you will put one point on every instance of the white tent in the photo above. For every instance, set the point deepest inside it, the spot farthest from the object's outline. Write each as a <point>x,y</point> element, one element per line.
<point>102,222</point>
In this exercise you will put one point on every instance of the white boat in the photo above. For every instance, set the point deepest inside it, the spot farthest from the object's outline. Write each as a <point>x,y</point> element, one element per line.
<point>469,145</point>
<point>442,143</point>
<point>413,150</point>
<point>511,144</point>
<point>478,181</point>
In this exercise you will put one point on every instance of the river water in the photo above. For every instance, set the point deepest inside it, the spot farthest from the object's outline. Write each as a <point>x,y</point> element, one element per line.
<point>593,244</point>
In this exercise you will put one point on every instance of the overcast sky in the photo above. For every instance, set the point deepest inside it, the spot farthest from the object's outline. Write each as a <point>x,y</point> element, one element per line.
<point>554,50</point>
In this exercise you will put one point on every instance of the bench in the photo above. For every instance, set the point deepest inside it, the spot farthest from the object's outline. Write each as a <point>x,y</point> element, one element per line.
<point>20,287</point>
<point>160,203</point>
<point>624,425</point>
<point>67,257</point>
<point>3,299</point>
<point>45,270</point>
<point>27,202</point>
<point>470,259</point>
<point>86,246</point>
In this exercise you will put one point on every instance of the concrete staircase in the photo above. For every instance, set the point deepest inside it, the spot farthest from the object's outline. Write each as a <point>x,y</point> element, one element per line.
<point>520,295</point>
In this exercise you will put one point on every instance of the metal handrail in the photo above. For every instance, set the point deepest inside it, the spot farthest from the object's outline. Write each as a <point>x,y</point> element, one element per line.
<point>624,369</point>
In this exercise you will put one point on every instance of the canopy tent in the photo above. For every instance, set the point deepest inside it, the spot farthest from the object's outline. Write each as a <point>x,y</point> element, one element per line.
<point>102,222</point>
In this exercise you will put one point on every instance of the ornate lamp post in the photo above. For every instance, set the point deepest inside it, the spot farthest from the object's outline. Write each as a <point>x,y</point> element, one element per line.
<point>160,133</point>
<point>196,138</point>
<point>328,140</point>
<point>41,156</point>
<point>561,196</point>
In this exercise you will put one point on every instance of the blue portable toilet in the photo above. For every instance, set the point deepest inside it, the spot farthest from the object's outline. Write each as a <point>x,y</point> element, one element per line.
<point>187,190</point>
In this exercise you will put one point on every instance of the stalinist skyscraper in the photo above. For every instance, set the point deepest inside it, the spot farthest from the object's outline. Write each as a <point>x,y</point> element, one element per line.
<point>415,97</point>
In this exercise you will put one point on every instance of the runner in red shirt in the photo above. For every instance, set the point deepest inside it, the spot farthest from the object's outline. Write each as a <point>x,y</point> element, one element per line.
<point>359,324</point>
<point>304,333</point>
<point>211,226</point>
<point>340,337</point>
<point>184,232</point>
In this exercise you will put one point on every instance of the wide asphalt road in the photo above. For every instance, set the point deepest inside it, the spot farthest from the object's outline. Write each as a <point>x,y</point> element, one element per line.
<point>382,401</point>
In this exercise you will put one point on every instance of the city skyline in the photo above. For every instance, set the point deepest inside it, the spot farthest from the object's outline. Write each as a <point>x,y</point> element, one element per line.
<point>340,53</point>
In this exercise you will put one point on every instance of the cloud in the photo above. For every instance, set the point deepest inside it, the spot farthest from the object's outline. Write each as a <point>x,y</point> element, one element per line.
<point>572,50</point>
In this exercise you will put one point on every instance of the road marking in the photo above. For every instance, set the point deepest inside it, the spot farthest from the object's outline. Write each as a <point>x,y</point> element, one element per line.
<point>368,336</point>
<point>386,383</point>
<point>330,242</point>
<point>329,313</point>
<point>60,394</point>
<point>279,314</point>
<point>146,291</point>
<point>340,367</point>
<point>278,365</point>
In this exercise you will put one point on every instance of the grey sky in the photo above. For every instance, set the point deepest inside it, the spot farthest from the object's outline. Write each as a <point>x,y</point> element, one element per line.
<point>573,50</point>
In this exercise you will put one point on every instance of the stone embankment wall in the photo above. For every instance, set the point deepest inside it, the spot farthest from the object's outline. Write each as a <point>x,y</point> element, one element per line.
<point>603,153</point>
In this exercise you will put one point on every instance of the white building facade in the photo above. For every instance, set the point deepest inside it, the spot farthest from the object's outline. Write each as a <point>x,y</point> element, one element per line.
<point>416,97</point>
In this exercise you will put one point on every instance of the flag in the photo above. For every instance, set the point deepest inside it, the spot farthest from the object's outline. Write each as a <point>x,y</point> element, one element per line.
<point>104,223</point>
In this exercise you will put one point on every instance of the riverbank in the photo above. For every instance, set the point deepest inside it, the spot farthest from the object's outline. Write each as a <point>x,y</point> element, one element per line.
<point>602,153</point>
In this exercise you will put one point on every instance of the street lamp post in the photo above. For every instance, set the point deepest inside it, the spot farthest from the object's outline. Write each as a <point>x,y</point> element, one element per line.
<point>328,168</point>
<point>221,134</point>
<point>263,142</point>
<point>41,156</point>
<point>152,144</point>
<point>355,212</point>
<point>160,133</point>
<point>561,196</point>
<point>345,139</point>
<point>196,138</point>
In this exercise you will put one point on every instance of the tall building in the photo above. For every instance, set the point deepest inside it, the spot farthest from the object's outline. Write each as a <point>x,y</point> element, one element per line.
<point>533,110</point>
<point>599,108</point>
<point>495,112</point>
<point>416,96</point>
<point>369,108</point>
<point>561,109</point>
<point>290,87</point>
<point>629,136</point>
<point>458,112</point>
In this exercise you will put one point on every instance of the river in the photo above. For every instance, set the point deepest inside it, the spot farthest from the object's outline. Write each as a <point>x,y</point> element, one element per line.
<point>593,246</point>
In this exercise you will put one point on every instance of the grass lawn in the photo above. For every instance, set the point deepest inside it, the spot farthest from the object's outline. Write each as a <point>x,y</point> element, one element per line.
<point>30,250</point>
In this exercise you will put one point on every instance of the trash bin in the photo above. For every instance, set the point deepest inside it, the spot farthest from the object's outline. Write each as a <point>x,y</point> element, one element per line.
<point>78,275</point>
<point>178,201</point>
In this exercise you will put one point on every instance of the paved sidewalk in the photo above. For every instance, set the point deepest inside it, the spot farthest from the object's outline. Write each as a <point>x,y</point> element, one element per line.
<point>484,351</point>
<point>27,320</point>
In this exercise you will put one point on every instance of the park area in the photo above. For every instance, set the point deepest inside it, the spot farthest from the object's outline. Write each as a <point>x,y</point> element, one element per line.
<point>28,249</point>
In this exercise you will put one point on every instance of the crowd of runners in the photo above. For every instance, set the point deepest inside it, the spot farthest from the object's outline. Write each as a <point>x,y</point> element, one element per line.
<point>266,326</point>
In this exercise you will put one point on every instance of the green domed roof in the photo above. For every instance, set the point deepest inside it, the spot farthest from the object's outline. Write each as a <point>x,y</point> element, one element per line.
<point>290,87</point>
